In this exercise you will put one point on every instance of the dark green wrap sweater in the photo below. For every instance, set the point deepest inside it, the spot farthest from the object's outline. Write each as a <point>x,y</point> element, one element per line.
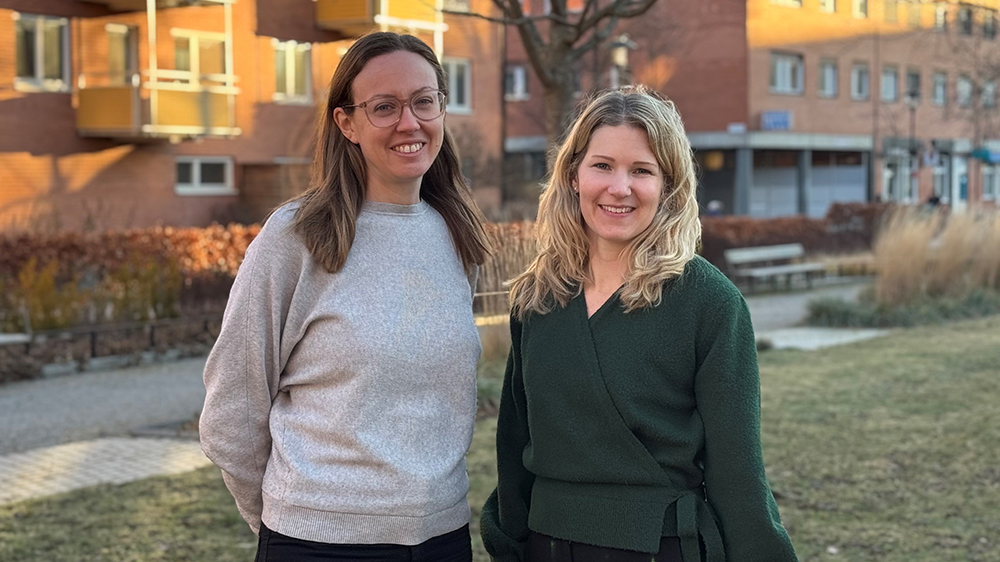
<point>618,429</point>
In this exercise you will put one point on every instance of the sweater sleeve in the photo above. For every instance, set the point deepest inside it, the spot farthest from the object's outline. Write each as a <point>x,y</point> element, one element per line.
<point>504,520</point>
<point>727,390</point>
<point>242,371</point>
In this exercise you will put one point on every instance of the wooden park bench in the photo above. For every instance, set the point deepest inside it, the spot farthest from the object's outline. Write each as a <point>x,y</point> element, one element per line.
<point>770,263</point>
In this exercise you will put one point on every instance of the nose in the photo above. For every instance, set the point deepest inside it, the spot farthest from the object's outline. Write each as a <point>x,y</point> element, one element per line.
<point>621,184</point>
<point>407,120</point>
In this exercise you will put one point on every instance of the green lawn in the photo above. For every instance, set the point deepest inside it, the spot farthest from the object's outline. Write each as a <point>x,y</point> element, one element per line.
<point>887,450</point>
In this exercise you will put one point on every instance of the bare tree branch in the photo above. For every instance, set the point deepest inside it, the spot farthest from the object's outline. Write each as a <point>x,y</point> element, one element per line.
<point>623,9</point>
<point>596,38</point>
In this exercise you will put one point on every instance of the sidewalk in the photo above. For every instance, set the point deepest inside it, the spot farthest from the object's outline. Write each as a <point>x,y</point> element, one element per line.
<point>65,433</point>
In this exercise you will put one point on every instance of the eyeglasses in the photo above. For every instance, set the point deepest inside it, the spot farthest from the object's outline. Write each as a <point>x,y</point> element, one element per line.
<point>386,111</point>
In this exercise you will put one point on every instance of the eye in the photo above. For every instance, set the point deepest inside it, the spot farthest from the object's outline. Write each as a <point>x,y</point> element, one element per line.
<point>383,107</point>
<point>602,166</point>
<point>425,101</point>
<point>643,171</point>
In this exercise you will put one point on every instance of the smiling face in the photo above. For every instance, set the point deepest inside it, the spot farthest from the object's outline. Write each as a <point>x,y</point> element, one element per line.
<point>398,156</point>
<point>619,184</point>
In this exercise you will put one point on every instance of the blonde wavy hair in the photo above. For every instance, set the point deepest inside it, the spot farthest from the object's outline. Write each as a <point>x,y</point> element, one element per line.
<point>659,253</point>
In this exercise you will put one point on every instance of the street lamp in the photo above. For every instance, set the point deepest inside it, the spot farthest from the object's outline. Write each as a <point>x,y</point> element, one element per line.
<point>619,58</point>
<point>912,101</point>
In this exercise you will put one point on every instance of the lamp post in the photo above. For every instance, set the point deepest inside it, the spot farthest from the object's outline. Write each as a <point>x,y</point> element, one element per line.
<point>912,101</point>
<point>619,59</point>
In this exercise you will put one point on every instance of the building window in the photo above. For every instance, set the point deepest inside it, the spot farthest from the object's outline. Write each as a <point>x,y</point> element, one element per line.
<point>199,54</point>
<point>459,76</point>
<point>515,83</point>
<point>828,6</point>
<point>860,8</point>
<point>988,97</point>
<point>792,3</point>
<point>859,81</point>
<point>941,189</point>
<point>913,84</point>
<point>989,24</point>
<point>42,52</point>
<point>204,176</point>
<point>122,54</point>
<point>941,18</point>
<point>913,13</point>
<point>456,5</point>
<point>940,88</point>
<point>991,179</point>
<point>292,71</point>
<point>890,83</point>
<point>965,20</point>
<point>891,11</point>
<point>828,78</point>
<point>963,91</point>
<point>786,73</point>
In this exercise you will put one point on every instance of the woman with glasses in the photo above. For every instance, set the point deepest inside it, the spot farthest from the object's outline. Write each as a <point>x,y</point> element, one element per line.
<point>341,392</point>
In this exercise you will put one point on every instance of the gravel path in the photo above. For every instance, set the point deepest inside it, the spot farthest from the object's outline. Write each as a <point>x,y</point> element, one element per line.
<point>88,405</point>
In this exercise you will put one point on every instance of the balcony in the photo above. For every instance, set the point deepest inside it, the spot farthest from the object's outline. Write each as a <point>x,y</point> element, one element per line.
<point>171,104</point>
<point>360,16</point>
<point>141,5</point>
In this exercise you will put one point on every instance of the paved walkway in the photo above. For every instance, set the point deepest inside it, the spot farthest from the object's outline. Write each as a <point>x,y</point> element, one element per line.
<point>70,432</point>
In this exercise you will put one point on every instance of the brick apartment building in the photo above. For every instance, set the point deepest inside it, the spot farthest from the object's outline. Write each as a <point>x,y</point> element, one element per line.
<point>792,105</point>
<point>128,113</point>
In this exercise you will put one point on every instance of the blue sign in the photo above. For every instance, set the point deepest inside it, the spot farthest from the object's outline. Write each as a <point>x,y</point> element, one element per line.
<point>986,155</point>
<point>776,120</point>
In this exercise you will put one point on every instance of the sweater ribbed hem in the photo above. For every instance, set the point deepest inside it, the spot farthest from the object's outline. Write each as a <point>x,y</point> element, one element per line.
<point>360,528</point>
<point>609,515</point>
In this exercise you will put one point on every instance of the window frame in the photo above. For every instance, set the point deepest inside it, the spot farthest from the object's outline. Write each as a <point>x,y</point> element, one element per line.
<point>828,6</point>
<point>824,91</point>
<point>994,192</point>
<point>788,3</point>
<point>795,87</point>
<point>889,70</point>
<point>887,12</point>
<point>198,189</point>
<point>991,87</point>
<point>452,105</point>
<point>519,79</point>
<point>966,20</point>
<point>855,81</point>
<point>39,83</point>
<point>914,15</point>
<point>939,86</point>
<point>989,24</point>
<point>941,18</point>
<point>860,9</point>
<point>194,37</point>
<point>960,99</point>
<point>291,49</point>
<point>918,91</point>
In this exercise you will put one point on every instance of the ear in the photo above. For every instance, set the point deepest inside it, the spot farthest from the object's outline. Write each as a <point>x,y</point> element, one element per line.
<point>345,123</point>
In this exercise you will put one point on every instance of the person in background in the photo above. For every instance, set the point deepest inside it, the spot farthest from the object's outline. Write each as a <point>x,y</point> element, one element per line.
<point>629,423</point>
<point>341,393</point>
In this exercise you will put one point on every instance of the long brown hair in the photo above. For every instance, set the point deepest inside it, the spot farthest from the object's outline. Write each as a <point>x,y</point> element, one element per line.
<point>657,254</point>
<point>328,210</point>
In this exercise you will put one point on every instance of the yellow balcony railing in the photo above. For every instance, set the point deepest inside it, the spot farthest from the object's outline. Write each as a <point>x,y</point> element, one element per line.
<point>359,16</point>
<point>174,104</point>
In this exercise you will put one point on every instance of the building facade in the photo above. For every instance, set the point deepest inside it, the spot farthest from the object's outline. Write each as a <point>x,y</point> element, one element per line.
<point>128,113</point>
<point>792,105</point>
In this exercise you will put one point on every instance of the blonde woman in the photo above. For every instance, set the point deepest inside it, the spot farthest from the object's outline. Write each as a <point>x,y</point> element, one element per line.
<point>341,393</point>
<point>629,420</point>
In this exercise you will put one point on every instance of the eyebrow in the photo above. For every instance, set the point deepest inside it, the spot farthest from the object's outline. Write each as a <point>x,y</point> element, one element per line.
<point>641,163</point>
<point>413,93</point>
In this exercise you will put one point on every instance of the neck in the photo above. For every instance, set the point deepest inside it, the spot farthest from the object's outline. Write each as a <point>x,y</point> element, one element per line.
<point>607,267</point>
<point>401,194</point>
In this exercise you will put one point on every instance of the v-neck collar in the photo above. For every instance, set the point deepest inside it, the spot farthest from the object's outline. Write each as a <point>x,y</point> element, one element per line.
<point>601,310</point>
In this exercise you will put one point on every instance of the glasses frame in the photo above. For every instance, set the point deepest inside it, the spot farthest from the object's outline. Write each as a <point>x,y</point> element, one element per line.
<point>403,104</point>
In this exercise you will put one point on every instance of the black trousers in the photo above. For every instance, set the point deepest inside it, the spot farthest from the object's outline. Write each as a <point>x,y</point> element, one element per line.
<point>543,548</point>
<point>455,546</point>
